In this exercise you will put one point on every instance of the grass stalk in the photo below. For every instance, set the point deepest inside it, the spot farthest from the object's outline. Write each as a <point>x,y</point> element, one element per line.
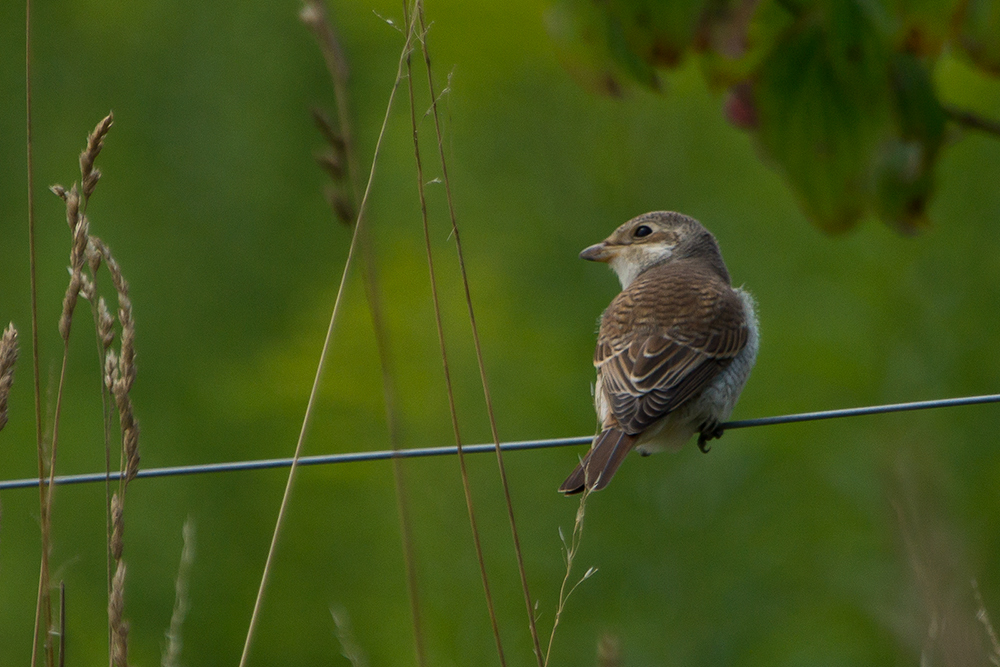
<point>62,624</point>
<point>342,150</point>
<point>265,575</point>
<point>570,549</point>
<point>536,644</point>
<point>972,121</point>
<point>119,376</point>
<point>43,607</point>
<point>104,325</point>
<point>119,371</point>
<point>441,341</point>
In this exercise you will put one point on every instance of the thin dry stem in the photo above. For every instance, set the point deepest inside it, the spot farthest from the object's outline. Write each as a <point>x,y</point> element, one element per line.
<point>340,162</point>
<point>172,651</point>
<point>307,417</point>
<point>444,354</point>
<point>43,607</point>
<point>570,550</point>
<point>62,623</point>
<point>8,357</point>
<point>972,121</point>
<point>78,226</point>
<point>536,644</point>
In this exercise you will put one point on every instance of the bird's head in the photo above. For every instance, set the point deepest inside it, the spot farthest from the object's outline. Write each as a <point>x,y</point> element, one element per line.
<point>653,239</point>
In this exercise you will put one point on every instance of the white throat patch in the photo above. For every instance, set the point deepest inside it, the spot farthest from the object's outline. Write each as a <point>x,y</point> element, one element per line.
<point>636,259</point>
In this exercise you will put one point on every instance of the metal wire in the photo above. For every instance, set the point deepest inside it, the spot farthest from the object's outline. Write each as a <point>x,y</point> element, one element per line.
<point>354,457</point>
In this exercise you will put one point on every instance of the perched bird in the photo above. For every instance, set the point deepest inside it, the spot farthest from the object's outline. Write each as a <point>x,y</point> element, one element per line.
<point>674,349</point>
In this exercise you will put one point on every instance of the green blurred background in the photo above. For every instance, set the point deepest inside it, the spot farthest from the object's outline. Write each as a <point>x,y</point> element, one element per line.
<point>822,543</point>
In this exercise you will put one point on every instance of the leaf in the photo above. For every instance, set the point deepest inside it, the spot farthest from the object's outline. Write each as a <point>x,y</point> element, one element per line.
<point>627,57</point>
<point>979,34</point>
<point>903,171</point>
<point>903,181</point>
<point>823,110</point>
<point>837,92</point>
<point>724,67</point>
<point>919,114</point>
<point>659,33</point>
<point>925,26</point>
<point>579,31</point>
<point>602,43</point>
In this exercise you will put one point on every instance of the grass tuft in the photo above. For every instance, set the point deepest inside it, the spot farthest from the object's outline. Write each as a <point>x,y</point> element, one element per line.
<point>570,548</point>
<point>89,252</point>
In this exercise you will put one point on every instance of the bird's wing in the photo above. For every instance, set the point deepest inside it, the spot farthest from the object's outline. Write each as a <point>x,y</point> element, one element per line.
<point>647,371</point>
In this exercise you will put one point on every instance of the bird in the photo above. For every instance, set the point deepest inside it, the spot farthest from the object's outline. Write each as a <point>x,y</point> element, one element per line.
<point>674,348</point>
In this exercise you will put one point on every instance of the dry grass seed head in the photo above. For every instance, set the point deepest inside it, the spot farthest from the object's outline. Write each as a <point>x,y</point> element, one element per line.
<point>93,257</point>
<point>117,526</point>
<point>330,134</point>
<point>8,357</point>
<point>95,142</point>
<point>79,227</point>
<point>119,627</point>
<point>344,209</point>
<point>119,369</point>
<point>313,15</point>
<point>105,324</point>
<point>82,248</point>
<point>86,287</point>
<point>111,373</point>
<point>334,162</point>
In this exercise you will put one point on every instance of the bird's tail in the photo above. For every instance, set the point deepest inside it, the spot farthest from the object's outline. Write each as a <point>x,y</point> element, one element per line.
<point>599,466</point>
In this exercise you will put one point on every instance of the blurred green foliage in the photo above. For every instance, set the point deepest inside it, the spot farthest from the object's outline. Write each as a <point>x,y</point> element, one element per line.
<point>837,93</point>
<point>786,545</point>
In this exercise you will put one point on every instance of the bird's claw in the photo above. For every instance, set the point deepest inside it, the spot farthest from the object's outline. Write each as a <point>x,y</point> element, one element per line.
<point>708,431</point>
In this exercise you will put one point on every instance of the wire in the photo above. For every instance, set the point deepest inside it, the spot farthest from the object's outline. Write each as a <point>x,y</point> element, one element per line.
<point>323,459</point>
<point>860,412</point>
<point>356,457</point>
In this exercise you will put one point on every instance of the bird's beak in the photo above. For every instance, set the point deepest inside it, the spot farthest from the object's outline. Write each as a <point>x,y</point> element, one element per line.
<point>599,252</point>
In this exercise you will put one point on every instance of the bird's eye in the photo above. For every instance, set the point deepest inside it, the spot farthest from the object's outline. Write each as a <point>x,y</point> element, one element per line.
<point>642,230</point>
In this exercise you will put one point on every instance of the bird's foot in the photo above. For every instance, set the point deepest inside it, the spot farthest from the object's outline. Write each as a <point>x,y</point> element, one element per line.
<point>710,430</point>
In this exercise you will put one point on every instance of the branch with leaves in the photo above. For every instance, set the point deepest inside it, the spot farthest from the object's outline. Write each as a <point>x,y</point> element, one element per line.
<point>839,95</point>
